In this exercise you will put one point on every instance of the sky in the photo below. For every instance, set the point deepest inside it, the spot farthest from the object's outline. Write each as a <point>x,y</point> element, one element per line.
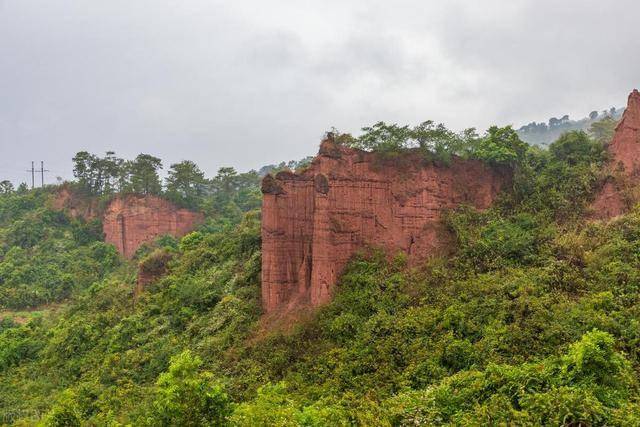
<point>247,83</point>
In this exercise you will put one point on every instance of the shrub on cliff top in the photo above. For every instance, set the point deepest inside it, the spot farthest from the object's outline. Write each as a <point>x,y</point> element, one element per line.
<point>499,146</point>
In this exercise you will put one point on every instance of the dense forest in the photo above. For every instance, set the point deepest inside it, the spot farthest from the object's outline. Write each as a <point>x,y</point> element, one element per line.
<point>534,320</point>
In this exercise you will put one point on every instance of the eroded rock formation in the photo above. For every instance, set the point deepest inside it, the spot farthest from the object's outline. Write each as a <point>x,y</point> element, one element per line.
<point>132,220</point>
<point>314,221</point>
<point>619,190</point>
<point>77,206</point>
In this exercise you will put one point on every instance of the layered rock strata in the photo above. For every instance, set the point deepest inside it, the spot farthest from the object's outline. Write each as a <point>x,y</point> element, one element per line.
<point>132,220</point>
<point>314,221</point>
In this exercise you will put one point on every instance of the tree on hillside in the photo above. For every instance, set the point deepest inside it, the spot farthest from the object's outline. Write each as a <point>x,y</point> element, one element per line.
<point>500,145</point>
<point>575,147</point>
<point>22,188</point>
<point>603,130</point>
<point>384,138</point>
<point>110,167</point>
<point>185,183</point>
<point>97,175</point>
<point>225,181</point>
<point>232,193</point>
<point>83,163</point>
<point>144,174</point>
<point>123,180</point>
<point>441,142</point>
<point>6,187</point>
<point>187,397</point>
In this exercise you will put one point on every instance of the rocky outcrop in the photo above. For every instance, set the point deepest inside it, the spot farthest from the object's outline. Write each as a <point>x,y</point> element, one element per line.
<point>65,199</point>
<point>132,220</point>
<point>314,221</point>
<point>625,145</point>
<point>619,189</point>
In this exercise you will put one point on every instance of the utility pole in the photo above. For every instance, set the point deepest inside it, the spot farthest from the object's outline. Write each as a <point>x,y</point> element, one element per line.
<point>33,175</point>
<point>42,171</point>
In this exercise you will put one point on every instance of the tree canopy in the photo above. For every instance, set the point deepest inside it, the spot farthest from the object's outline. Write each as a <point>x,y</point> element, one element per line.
<point>499,146</point>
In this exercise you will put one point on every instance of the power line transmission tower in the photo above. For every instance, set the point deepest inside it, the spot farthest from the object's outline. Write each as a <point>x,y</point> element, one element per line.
<point>42,171</point>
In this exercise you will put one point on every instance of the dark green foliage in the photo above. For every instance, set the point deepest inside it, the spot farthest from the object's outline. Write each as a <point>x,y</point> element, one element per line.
<point>185,183</point>
<point>224,198</point>
<point>441,144</point>
<point>295,165</point>
<point>18,344</point>
<point>44,255</point>
<point>186,397</point>
<point>589,385</point>
<point>560,182</point>
<point>487,242</point>
<point>104,352</point>
<point>384,138</point>
<point>499,146</point>
<point>6,187</point>
<point>143,174</point>
<point>110,174</point>
<point>231,195</point>
<point>99,175</point>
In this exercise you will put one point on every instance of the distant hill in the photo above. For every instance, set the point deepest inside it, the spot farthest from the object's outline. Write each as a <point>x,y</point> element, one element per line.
<point>544,133</point>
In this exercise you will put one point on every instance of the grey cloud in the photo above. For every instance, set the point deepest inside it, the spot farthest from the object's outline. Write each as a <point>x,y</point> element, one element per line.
<point>249,83</point>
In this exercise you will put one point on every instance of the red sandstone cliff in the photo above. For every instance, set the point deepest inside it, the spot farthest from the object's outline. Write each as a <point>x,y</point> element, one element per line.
<point>619,190</point>
<point>129,221</point>
<point>314,221</point>
<point>77,206</point>
<point>132,220</point>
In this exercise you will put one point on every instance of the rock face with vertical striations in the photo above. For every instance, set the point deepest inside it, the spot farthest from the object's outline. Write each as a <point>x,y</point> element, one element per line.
<point>132,220</point>
<point>619,190</point>
<point>314,221</point>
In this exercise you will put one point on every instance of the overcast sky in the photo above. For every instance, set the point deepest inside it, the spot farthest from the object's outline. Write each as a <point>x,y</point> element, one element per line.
<point>249,83</point>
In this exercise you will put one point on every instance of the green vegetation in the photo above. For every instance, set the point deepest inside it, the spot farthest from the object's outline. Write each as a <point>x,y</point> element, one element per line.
<point>46,256</point>
<point>499,146</point>
<point>535,320</point>
<point>227,195</point>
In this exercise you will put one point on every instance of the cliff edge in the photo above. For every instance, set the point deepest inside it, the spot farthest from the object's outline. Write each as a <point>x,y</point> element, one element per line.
<point>131,220</point>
